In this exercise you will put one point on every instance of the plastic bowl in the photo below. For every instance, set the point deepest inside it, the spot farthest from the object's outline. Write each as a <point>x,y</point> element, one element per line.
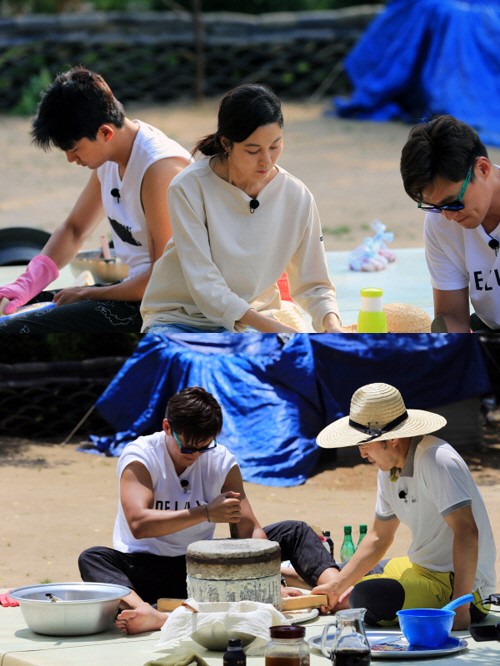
<point>104,271</point>
<point>426,627</point>
<point>84,608</point>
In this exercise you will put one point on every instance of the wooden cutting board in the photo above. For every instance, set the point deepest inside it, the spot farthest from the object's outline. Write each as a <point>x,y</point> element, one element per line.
<point>166,605</point>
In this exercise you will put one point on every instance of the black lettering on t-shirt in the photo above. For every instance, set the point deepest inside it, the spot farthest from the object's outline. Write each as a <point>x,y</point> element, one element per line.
<point>481,283</point>
<point>169,505</point>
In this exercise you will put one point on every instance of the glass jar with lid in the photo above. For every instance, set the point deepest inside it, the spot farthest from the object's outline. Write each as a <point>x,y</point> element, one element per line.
<point>287,647</point>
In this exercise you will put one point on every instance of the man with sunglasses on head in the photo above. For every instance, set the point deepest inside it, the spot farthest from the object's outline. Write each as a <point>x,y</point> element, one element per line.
<point>175,486</point>
<point>446,170</point>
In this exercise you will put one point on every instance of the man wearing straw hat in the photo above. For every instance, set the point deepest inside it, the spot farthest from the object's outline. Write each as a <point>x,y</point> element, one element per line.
<point>425,484</point>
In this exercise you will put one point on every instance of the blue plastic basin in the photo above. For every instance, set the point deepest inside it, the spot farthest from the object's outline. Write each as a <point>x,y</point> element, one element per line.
<point>426,627</point>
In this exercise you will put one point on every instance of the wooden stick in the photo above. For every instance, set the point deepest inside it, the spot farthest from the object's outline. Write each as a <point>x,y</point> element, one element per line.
<point>105,247</point>
<point>304,601</point>
<point>166,605</point>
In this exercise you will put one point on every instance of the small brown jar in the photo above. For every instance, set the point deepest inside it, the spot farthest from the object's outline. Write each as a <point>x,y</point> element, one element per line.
<point>287,647</point>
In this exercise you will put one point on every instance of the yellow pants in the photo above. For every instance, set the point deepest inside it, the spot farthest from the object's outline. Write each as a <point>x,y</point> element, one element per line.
<point>423,588</point>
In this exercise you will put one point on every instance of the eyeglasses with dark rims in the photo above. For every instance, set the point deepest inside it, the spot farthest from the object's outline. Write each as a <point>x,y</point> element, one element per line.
<point>453,206</point>
<point>186,449</point>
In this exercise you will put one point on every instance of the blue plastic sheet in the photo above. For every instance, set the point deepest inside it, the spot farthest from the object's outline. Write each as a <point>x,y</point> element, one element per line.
<point>269,399</point>
<point>276,395</point>
<point>429,370</point>
<point>419,58</point>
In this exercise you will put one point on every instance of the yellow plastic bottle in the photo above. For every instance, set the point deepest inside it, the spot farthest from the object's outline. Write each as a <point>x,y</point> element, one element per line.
<point>371,317</point>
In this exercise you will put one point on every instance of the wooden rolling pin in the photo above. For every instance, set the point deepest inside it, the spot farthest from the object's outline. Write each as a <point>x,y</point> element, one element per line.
<point>166,605</point>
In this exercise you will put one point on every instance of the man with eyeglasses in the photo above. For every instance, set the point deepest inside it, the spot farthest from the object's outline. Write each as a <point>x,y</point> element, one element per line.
<point>446,170</point>
<point>175,486</point>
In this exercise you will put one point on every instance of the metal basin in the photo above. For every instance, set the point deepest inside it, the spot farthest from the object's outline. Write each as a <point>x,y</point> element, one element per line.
<point>104,271</point>
<point>84,608</point>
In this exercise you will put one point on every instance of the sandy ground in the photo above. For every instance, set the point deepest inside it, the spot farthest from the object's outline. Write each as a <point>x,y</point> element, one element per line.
<point>57,501</point>
<point>351,167</point>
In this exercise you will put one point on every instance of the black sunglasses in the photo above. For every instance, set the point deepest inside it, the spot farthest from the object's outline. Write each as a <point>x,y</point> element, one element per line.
<point>201,449</point>
<point>454,205</point>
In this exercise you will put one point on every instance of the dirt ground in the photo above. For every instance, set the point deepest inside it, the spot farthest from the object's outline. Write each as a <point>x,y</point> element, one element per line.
<point>56,501</point>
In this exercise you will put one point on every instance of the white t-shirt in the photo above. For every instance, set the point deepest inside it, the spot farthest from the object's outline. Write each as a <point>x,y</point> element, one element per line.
<point>223,259</point>
<point>205,479</point>
<point>125,214</point>
<point>436,482</point>
<point>458,258</point>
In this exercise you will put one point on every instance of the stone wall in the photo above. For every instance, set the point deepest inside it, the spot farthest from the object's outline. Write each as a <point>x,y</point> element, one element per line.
<point>154,57</point>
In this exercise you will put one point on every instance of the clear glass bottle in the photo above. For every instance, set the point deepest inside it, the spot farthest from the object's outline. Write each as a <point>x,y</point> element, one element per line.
<point>363,529</point>
<point>347,549</point>
<point>328,543</point>
<point>287,646</point>
<point>371,317</point>
<point>234,655</point>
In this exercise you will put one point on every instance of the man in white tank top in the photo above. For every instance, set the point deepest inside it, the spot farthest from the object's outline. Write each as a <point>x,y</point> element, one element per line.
<point>131,166</point>
<point>175,486</point>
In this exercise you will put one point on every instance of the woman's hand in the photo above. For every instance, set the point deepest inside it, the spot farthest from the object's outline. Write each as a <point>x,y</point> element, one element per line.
<point>332,324</point>
<point>264,323</point>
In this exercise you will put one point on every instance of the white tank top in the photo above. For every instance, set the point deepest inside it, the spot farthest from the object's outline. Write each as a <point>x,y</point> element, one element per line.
<point>125,213</point>
<point>204,478</point>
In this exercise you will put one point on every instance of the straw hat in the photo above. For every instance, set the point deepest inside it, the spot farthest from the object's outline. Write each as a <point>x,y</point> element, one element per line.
<point>378,413</point>
<point>401,318</point>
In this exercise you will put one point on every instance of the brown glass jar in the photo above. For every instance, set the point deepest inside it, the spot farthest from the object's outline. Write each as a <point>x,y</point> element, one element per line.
<point>287,647</point>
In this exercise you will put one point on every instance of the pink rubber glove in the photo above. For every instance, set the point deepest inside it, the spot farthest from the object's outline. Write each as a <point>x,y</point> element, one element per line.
<point>7,601</point>
<point>40,272</point>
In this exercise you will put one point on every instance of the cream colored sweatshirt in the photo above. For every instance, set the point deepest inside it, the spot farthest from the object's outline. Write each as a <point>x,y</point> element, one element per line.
<point>224,260</point>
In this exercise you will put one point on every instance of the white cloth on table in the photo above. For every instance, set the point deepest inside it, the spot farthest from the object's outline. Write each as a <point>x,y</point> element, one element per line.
<point>239,617</point>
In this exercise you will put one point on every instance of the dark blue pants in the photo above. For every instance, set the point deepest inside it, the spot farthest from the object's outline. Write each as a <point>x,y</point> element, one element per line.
<point>79,317</point>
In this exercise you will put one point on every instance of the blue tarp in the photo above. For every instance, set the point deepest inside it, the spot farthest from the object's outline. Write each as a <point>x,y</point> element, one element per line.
<point>277,395</point>
<point>419,58</point>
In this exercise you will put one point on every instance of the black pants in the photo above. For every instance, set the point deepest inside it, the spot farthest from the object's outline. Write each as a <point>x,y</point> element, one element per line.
<point>383,597</point>
<point>80,317</point>
<point>477,325</point>
<point>155,576</point>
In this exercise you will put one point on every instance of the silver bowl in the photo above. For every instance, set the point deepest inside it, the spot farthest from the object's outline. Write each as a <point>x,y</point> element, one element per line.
<point>104,271</point>
<point>82,609</point>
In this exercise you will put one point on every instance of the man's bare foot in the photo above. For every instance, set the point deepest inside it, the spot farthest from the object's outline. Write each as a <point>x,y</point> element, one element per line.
<point>142,618</point>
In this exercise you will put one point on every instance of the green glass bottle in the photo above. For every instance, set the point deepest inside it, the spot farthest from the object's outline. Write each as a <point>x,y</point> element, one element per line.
<point>363,529</point>
<point>347,549</point>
